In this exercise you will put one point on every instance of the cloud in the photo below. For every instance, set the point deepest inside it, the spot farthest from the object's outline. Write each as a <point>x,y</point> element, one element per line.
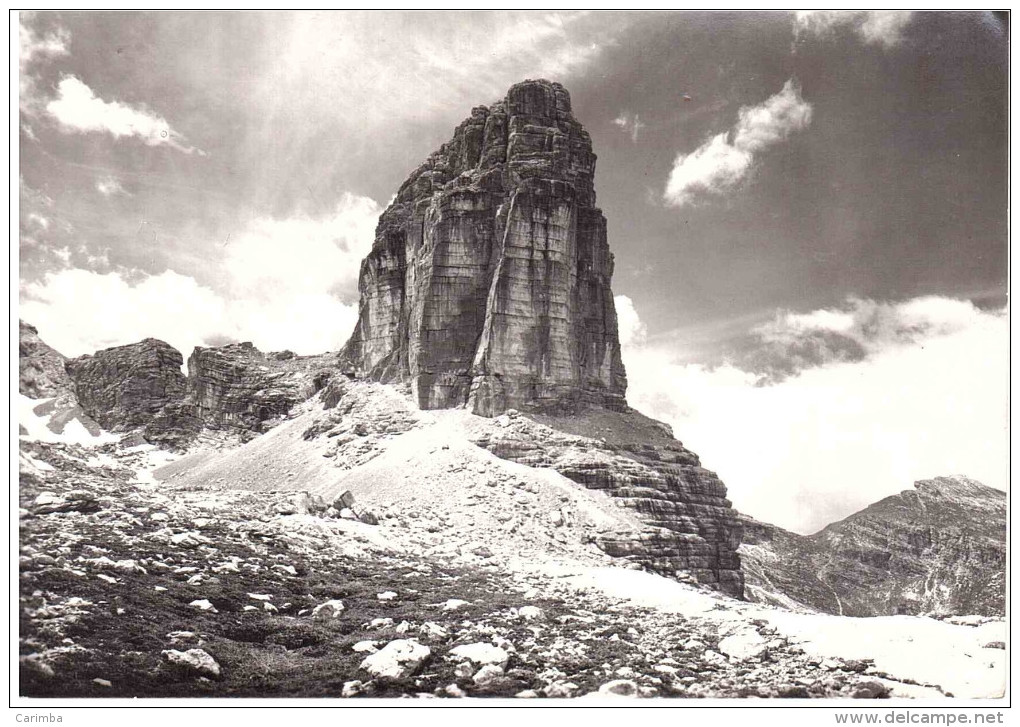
<point>876,27</point>
<point>78,109</point>
<point>35,49</point>
<point>32,45</point>
<point>443,73</point>
<point>274,257</point>
<point>724,159</point>
<point>632,330</point>
<point>109,186</point>
<point>630,124</point>
<point>927,396</point>
<point>288,284</point>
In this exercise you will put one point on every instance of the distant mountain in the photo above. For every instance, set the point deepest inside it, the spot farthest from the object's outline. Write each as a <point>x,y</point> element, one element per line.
<point>938,549</point>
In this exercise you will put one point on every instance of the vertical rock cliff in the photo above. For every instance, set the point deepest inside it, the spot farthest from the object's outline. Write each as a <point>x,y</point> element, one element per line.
<point>489,280</point>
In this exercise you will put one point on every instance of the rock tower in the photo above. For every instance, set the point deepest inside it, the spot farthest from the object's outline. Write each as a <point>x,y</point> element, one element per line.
<point>489,280</point>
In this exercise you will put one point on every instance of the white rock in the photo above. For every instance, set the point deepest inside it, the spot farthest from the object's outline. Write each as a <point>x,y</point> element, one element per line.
<point>365,647</point>
<point>103,682</point>
<point>396,660</point>
<point>430,628</point>
<point>487,675</point>
<point>454,603</point>
<point>250,608</point>
<point>380,623</point>
<point>353,688</point>
<point>531,613</point>
<point>260,596</point>
<point>560,690</point>
<point>196,660</point>
<point>481,653</point>
<point>334,606</point>
<point>454,691</point>
<point>203,604</point>
<point>463,670</point>
<point>527,694</point>
<point>386,596</point>
<point>402,628</point>
<point>619,688</point>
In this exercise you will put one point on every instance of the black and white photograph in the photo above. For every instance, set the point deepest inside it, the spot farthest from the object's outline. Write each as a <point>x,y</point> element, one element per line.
<point>394,358</point>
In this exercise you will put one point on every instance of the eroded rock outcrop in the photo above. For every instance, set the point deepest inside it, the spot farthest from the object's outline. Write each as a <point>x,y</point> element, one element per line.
<point>691,532</point>
<point>489,280</point>
<point>937,549</point>
<point>40,367</point>
<point>125,387</point>
<point>238,386</point>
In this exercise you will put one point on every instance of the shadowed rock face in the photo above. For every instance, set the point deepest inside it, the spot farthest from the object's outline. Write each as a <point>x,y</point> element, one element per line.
<point>489,280</point>
<point>125,387</point>
<point>40,367</point>
<point>939,549</point>
<point>238,386</point>
<point>235,387</point>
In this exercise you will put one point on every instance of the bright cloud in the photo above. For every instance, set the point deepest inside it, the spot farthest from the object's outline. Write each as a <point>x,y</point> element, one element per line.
<point>877,27</point>
<point>78,109</point>
<point>109,186</point>
<point>928,396</point>
<point>285,284</point>
<point>630,124</point>
<point>632,330</point>
<point>724,159</point>
<point>286,257</point>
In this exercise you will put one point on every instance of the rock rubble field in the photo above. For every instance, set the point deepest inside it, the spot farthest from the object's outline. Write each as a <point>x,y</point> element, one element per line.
<point>242,572</point>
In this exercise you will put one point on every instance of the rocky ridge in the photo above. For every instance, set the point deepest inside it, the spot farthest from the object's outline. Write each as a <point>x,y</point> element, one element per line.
<point>938,549</point>
<point>40,367</point>
<point>690,530</point>
<point>488,283</point>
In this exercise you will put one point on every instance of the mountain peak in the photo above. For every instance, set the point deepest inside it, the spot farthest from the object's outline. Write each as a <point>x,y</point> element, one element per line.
<point>488,284</point>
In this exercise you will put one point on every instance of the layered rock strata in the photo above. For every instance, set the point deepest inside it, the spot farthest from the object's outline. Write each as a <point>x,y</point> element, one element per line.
<point>239,386</point>
<point>140,387</point>
<point>489,280</point>
<point>937,549</point>
<point>692,531</point>
<point>125,387</point>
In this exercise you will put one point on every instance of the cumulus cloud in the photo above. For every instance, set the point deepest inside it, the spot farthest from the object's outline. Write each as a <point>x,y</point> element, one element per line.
<point>630,124</point>
<point>274,257</point>
<point>724,159</point>
<point>632,330</point>
<point>78,109</point>
<point>926,395</point>
<point>110,186</point>
<point>876,27</point>
<point>288,284</point>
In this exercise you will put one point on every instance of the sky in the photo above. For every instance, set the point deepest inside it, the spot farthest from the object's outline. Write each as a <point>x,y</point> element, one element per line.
<point>808,211</point>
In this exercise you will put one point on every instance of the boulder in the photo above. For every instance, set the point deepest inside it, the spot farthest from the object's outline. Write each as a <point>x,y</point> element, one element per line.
<point>397,660</point>
<point>196,661</point>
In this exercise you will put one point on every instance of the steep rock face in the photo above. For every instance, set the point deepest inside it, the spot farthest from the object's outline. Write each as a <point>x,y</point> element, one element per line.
<point>692,532</point>
<point>40,368</point>
<point>238,386</point>
<point>125,387</point>
<point>489,280</point>
<point>939,549</point>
